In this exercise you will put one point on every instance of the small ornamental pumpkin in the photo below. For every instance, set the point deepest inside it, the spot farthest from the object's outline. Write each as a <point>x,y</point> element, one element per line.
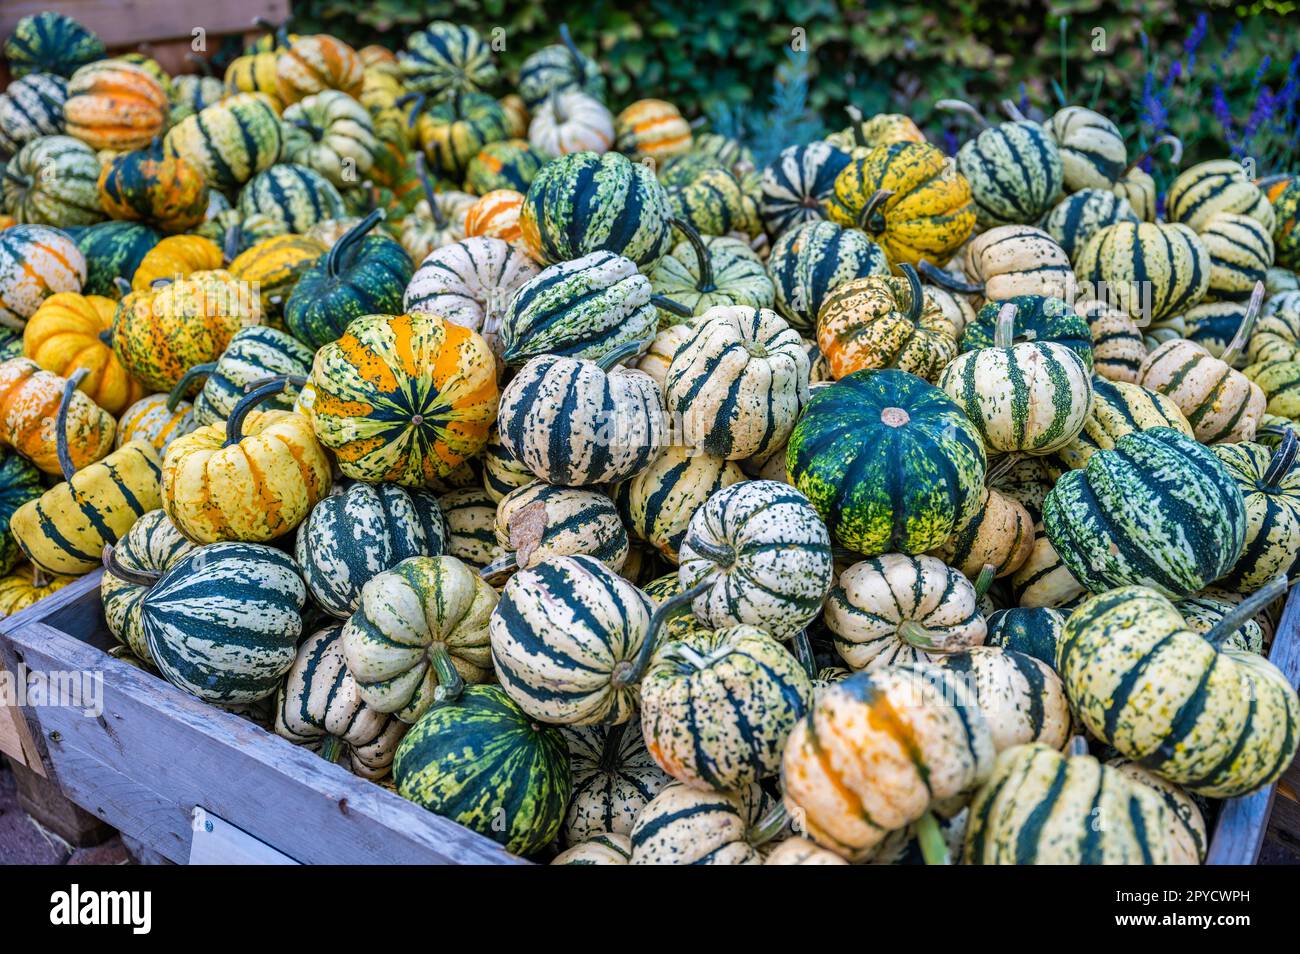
<point>1119,408</point>
<point>570,122</point>
<point>1241,253</point>
<point>702,273</point>
<point>288,198</point>
<point>1151,270</point>
<point>20,482</point>
<point>1038,318</point>
<point>810,260</point>
<point>1030,631</point>
<point>149,185</point>
<point>314,63</point>
<point>53,180</point>
<point>1117,345</point>
<point>538,521</point>
<point>437,220</point>
<point>27,586</point>
<point>254,355</point>
<point>1007,261</point>
<point>35,262</point>
<point>505,164</point>
<point>557,68</point>
<point>683,825</point>
<point>67,334</point>
<point>30,402</point>
<point>1277,332</point>
<point>31,107</point>
<point>445,57</point>
<point>659,501</point>
<point>885,322</point>
<point>275,265</point>
<point>151,420</point>
<point>113,104</point>
<point>1078,217</point>
<point>1284,194</point>
<point>52,43</point>
<point>714,202</point>
<point>404,398</point>
<point>1000,534</point>
<point>114,250</point>
<point>909,198</point>
<point>264,470</point>
<point>470,517</point>
<point>1208,188</point>
<point>175,257</point>
<point>131,566</point>
<point>652,129</point>
<point>452,132</point>
<point>797,183</point>
<point>1270,486</point>
<point>1093,154</point>
<point>230,141</point>
<point>332,134</point>
<point>878,130</point>
<point>613,779</point>
<point>1021,698</point>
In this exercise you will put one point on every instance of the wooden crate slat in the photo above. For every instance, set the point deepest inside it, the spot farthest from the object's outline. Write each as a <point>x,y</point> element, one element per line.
<point>125,23</point>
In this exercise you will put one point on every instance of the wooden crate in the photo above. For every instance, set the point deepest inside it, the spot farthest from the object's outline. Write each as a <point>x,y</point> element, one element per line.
<point>187,780</point>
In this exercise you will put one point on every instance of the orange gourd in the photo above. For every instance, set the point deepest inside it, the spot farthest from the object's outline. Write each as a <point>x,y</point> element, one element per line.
<point>71,332</point>
<point>29,404</point>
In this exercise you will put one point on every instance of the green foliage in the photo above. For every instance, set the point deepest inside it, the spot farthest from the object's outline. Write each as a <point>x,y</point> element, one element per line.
<point>720,60</point>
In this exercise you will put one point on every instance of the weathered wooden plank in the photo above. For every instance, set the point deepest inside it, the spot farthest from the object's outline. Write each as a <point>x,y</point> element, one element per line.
<point>128,22</point>
<point>166,752</point>
<point>1243,822</point>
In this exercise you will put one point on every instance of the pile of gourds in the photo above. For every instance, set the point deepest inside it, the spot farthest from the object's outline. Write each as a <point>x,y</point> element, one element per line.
<point>626,503</point>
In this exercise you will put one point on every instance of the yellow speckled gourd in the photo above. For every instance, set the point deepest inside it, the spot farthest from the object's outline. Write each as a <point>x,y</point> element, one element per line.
<point>29,401</point>
<point>175,257</point>
<point>69,333</point>
<point>276,264</point>
<point>25,586</point>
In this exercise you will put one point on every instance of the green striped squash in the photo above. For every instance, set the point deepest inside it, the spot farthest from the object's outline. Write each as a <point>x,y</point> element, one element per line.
<point>1158,509</point>
<point>1221,404</point>
<point>1093,154</point>
<point>1151,270</point>
<point>1208,188</point>
<point>50,42</point>
<point>1284,194</point>
<point>586,308</point>
<point>446,57</point>
<point>1186,823</point>
<point>539,521</point>
<point>1044,807</point>
<point>502,472</point>
<point>351,537</point>
<point>1000,534</point>
<point>507,164</point>
<point>796,184</point>
<point>292,197</point>
<point>563,635</point>
<point>891,463</point>
<point>808,261</point>
<point>658,502</point>
<point>230,141</point>
<point>1280,383</point>
<point>1117,409</point>
<point>20,482</point>
<point>1277,332</point>
<point>1219,722</point>
<point>1080,216</point>
<point>1038,318</point>
<point>452,132</point>
<point>558,68</point>
<point>633,222</point>
<point>470,515</point>
<point>1032,631</point>
<point>254,354</point>
<point>152,545</point>
<point>31,107</point>
<point>223,622</point>
<point>1241,253</point>
<point>717,706</point>
<point>1202,613</point>
<point>1212,325</point>
<point>555,414</point>
<point>113,249</point>
<point>1015,173</point>
<point>765,554</point>
<point>1020,697</point>
<point>1270,484</point>
<point>484,764</point>
<point>318,706</point>
<point>613,779</point>
<point>332,134</point>
<point>725,151</point>
<point>713,202</point>
<point>690,826</point>
<point>736,276</point>
<point>1044,580</point>
<point>53,180</point>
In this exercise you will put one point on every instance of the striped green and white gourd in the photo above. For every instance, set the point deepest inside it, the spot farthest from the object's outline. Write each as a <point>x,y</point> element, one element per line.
<point>809,260</point>
<point>31,107</point>
<point>53,180</point>
<point>736,276</point>
<point>1280,383</point>
<point>1038,318</point>
<point>1015,173</point>
<point>1080,216</point>
<point>1020,697</point>
<point>1041,806</point>
<point>1241,253</point>
<point>53,42</point>
<point>502,471</point>
<point>1213,324</point>
<point>605,848</point>
<point>1202,613</point>
<point>999,534</point>
<point>1153,271</point>
<point>1219,722</point>
<point>470,514</point>
<point>1015,260</point>
<point>613,779</point>
<point>1208,188</point>
<point>149,420</point>
<point>585,308</point>
<point>318,706</point>
<point>901,609</point>
<point>36,261</point>
<point>539,521</point>
<point>352,536</point>
<point>230,141</point>
<point>481,762</point>
<point>113,249</point>
<point>564,636</point>
<point>713,201</point>
<point>1186,823</point>
<point>223,622</point>
<point>1270,485</point>
<point>1025,479</point>
<point>152,545</point>
<point>558,68</point>
<point>554,414</point>
<point>1093,153</point>
<point>764,555</point>
<point>796,184</point>
<point>292,197</point>
<point>1277,332</point>
<point>446,57</point>
<point>1117,409</point>
<point>658,502</point>
<point>691,826</point>
<point>1158,509</point>
<point>738,383</point>
<point>20,482</point>
<point>507,164</point>
<point>1044,580</point>
<point>717,706</point>
<point>254,354</point>
<point>1032,631</point>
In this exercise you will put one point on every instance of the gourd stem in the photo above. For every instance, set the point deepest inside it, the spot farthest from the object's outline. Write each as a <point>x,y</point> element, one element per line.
<point>672,307</point>
<point>1078,746</point>
<point>961,106</point>
<point>946,279</point>
<point>422,170</point>
<point>868,212</point>
<point>1001,468</point>
<point>201,62</point>
<point>122,285</point>
<point>933,848</point>
<point>293,380</point>
<point>619,354</point>
<point>508,562</point>
<point>450,683</point>
<point>61,423</point>
<point>915,291</point>
<point>230,246</point>
<point>1247,325</point>
<point>177,393</point>
<point>15,176</point>
<point>1283,459</point>
<point>334,257</point>
<point>39,579</point>
<point>702,258</point>
<point>113,567</point>
<point>331,750</point>
<point>804,653</point>
<point>721,554</point>
<point>1004,332</point>
<point>235,423</point>
<point>769,826</point>
<point>670,609</point>
<point>1176,156</point>
<point>1237,617</point>
<point>855,116</point>
<point>1013,111</point>
<point>914,634</point>
<point>985,579</point>
<point>418,99</point>
<point>609,749</point>
<point>567,39</point>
